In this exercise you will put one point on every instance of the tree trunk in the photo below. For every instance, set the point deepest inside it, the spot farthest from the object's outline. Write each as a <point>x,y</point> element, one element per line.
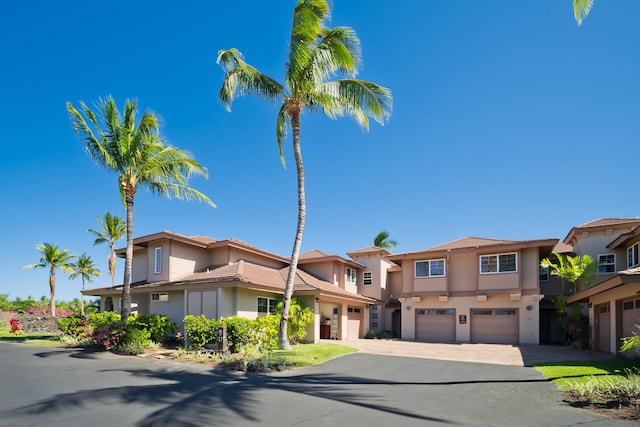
<point>52,290</point>
<point>112,264</point>
<point>283,338</point>
<point>126,282</point>
<point>82,298</point>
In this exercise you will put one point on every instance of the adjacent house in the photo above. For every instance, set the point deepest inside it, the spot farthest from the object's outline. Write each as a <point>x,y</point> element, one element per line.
<point>472,289</point>
<point>180,275</point>
<point>614,300</point>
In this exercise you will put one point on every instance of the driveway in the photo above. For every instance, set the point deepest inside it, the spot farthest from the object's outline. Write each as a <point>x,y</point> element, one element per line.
<point>71,387</point>
<point>500,354</point>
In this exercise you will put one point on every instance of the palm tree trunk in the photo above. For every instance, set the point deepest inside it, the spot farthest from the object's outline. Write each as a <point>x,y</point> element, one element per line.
<point>293,265</point>
<point>82,298</point>
<point>112,264</point>
<point>52,290</point>
<point>126,282</point>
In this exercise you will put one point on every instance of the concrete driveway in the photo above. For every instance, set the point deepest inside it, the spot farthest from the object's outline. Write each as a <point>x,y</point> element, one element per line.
<point>498,354</point>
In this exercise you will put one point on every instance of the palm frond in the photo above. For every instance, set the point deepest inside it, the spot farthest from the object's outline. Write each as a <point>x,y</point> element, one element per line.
<point>243,79</point>
<point>308,21</point>
<point>337,50</point>
<point>358,99</point>
<point>581,9</point>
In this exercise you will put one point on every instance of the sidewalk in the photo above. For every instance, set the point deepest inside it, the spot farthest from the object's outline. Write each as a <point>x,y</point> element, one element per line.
<point>499,354</point>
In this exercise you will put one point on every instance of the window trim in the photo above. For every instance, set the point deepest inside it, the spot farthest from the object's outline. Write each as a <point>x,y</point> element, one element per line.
<point>365,280</point>
<point>157,266</point>
<point>351,278</point>
<point>546,271</point>
<point>429,274</point>
<point>160,297</point>
<point>271,306</point>
<point>601,264</point>
<point>632,255</point>
<point>498,255</point>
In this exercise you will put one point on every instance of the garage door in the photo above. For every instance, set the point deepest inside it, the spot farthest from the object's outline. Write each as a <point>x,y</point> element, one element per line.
<point>354,320</point>
<point>436,325</point>
<point>498,326</point>
<point>630,317</point>
<point>603,327</point>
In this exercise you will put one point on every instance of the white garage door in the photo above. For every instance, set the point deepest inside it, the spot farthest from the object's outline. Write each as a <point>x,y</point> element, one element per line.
<point>436,325</point>
<point>354,319</point>
<point>499,326</point>
<point>630,317</point>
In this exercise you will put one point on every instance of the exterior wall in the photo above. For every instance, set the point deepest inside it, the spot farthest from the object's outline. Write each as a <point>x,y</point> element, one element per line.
<point>139,267</point>
<point>378,267</point>
<point>528,318</point>
<point>595,243</point>
<point>152,276</point>
<point>462,270</point>
<point>185,259</point>
<point>529,268</point>
<point>237,255</point>
<point>174,308</point>
<point>612,297</point>
<point>394,285</point>
<point>227,302</point>
<point>219,256</point>
<point>325,271</point>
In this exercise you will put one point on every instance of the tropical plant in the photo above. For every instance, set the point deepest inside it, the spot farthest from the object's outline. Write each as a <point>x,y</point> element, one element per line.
<point>299,317</point>
<point>581,9</point>
<point>86,269</point>
<point>382,241</point>
<point>139,156</point>
<point>579,270</point>
<point>113,229</point>
<point>53,258</point>
<point>316,55</point>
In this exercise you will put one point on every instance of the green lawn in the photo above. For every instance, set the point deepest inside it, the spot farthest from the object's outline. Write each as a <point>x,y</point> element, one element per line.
<point>566,375</point>
<point>311,354</point>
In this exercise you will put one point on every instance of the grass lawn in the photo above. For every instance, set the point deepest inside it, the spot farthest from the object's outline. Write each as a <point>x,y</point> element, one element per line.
<point>566,375</point>
<point>29,338</point>
<point>312,354</point>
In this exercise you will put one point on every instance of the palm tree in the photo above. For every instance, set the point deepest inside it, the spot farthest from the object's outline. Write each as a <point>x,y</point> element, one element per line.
<point>84,267</point>
<point>581,9</point>
<point>382,241</point>
<point>139,156</point>
<point>113,229</point>
<point>53,258</point>
<point>577,270</point>
<point>316,55</point>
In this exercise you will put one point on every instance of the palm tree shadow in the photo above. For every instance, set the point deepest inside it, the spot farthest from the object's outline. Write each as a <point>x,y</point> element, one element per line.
<point>194,398</point>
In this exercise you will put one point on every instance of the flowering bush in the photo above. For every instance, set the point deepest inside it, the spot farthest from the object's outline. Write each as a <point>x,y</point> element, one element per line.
<point>76,328</point>
<point>109,336</point>
<point>15,326</point>
<point>45,311</point>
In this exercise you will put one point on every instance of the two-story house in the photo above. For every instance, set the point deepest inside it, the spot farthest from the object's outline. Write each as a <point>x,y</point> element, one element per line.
<point>180,275</point>
<point>472,290</point>
<point>614,300</point>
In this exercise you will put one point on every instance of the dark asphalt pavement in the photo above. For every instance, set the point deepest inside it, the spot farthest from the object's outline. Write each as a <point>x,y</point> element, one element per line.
<point>46,386</point>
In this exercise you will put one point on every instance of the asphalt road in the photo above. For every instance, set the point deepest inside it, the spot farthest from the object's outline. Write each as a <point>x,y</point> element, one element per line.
<point>46,386</point>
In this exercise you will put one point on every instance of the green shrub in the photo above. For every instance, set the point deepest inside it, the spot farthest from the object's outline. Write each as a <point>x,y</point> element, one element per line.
<point>134,341</point>
<point>103,319</point>
<point>158,325</point>
<point>200,331</point>
<point>624,390</point>
<point>240,333</point>
<point>299,317</point>
<point>371,335</point>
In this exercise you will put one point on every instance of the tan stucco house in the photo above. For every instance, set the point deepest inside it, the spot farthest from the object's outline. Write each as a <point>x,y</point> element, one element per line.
<point>614,300</point>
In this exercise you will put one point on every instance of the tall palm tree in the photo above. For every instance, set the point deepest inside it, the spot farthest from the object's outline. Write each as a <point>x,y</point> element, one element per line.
<point>581,9</point>
<point>113,229</point>
<point>53,258</point>
<point>316,55</point>
<point>382,241</point>
<point>139,156</point>
<point>84,267</point>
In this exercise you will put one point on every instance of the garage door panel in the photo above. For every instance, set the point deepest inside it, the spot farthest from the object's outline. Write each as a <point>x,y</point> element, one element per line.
<point>354,322</point>
<point>496,326</point>
<point>435,325</point>
<point>630,317</point>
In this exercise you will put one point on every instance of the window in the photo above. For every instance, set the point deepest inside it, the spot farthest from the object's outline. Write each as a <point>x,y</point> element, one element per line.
<point>501,263</point>
<point>606,264</point>
<point>266,306</point>
<point>544,274</point>
<point>160,296</point>
<point>158,259</point>
<point>351,275</point>
<point>368,279</point>
<point>374,324</point>
<point>627,305</point>
<point>632,255</point>
<point>431,268</point>
<point>374,315</point>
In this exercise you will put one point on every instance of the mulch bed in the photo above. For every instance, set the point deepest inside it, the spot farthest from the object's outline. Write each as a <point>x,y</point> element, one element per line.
<point>609,409</point>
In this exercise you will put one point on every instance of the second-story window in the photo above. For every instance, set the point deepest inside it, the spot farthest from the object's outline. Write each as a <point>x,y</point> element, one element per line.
<point>158,260</point>
<point>606,264</point>
<point>544,274</point>
<point>500,263</point>
<point>351,275</point>
<point>431,268</point>
<point>367,279</point>
<point>632,255</point>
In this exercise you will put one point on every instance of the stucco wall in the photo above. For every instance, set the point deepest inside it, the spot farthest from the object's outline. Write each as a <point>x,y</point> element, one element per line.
<point>174,308</point>
<point>185,259</point>
<point>139,267</point>
<point>611,297</point>
<point>462,270</point>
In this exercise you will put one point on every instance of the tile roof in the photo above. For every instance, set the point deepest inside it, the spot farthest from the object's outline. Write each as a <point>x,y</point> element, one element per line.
<point>368,250</point>
<point>316,253</point>
<point>603,222</point>
<point>469,242</point>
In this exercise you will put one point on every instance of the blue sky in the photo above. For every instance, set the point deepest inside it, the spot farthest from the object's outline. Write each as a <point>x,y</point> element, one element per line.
<point>509,121</point>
